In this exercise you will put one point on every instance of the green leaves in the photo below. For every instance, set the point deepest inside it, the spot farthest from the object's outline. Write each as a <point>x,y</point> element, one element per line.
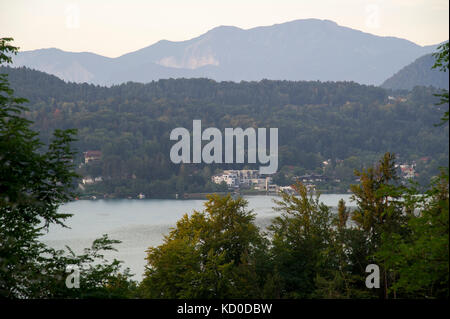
<point>6,49</point>
<point>422,258</point>
<point>210,254</point>
<point>442,57</point>
<point>300,236</point>
<point>34,181</point>
<point>310,252</point>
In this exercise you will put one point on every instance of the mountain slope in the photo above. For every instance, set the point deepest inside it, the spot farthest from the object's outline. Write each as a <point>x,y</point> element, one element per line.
<point>308,49</point>
<point>69,66</point>
<point>419,72</point>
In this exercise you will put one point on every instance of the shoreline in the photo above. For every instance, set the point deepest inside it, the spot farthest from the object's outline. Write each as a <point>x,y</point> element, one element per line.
<point>195,196</point>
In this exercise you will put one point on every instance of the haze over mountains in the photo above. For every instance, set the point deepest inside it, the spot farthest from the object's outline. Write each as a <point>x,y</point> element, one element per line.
<point>308,49</point>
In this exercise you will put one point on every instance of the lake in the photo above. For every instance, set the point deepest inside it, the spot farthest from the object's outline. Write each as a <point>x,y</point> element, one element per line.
<point>140,224</point>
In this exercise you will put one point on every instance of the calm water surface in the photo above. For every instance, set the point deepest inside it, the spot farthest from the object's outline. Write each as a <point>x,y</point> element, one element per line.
<point>142,223</point>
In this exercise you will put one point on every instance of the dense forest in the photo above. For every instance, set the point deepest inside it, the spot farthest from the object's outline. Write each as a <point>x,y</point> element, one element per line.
<point>307,251</point>
<point>351,124</point>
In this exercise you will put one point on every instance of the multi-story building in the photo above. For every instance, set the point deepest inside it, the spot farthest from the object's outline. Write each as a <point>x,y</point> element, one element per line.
<point>237,178</point>
<point>229,178</point>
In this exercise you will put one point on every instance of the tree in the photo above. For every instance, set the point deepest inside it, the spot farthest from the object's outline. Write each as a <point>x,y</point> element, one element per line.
<point>442,57</point>
<point>34,182</point>
<point>300,237</point>
<point>217,253</point>
<point>380,209</point>
<point>419,258</point>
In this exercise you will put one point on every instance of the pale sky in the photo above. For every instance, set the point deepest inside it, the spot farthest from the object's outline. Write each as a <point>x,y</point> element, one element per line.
<point>112,27</point>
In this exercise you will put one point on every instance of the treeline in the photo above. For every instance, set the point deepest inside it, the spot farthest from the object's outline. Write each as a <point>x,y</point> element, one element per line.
<point>308,252</point>
<point>350,124</point>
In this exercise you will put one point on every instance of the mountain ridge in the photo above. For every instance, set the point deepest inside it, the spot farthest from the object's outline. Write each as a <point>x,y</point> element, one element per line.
<point>418,73</point>
<point>308,49</point>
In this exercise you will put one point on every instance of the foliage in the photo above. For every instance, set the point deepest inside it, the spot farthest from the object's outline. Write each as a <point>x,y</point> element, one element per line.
<point>34,182</point>
<point>300,236</point>
<point>442,57</point>
<point>210,254</point>
<point>419,261</point>
<point>309,252</point>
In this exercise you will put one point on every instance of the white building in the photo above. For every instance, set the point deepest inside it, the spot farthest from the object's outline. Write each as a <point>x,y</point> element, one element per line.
<point>250,178</point>
<point>88,180</point>
<point>286,189</point>
<point>230,179</point>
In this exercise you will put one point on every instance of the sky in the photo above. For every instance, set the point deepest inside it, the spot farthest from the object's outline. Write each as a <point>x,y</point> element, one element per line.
<point>112,27</point>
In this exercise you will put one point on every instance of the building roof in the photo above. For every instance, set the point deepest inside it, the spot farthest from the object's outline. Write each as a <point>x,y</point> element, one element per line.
<point>92,154</point>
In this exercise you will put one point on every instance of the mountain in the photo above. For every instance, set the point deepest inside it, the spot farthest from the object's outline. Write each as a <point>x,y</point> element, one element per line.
<point>419,72</point>
<point>308,49</point>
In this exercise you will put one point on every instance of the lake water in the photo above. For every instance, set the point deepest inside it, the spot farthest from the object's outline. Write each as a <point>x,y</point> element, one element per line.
<point>140,224</point>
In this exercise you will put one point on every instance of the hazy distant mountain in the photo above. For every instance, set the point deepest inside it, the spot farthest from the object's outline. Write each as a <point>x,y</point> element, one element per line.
<point>309,49</point>
<point>419,72</point>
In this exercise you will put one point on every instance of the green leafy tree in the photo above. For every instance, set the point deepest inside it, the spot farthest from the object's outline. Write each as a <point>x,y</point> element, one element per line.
<point>300,238</point>
<point>380,209</point>
<point>212,254</point>
<point>419,260</point>
<point>442,57</point>
<point>34,181</point>
<point>341,279</point>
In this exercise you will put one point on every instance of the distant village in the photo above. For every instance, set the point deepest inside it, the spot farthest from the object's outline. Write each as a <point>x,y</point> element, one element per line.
<point>246,179</point>
<point>236,179</point>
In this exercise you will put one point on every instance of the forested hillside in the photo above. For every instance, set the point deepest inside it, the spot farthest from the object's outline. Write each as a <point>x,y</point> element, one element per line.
<point>419,72</point>
<point>351,124</point>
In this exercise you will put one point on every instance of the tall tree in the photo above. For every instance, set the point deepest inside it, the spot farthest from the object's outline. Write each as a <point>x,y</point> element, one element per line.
<point>380,209</point>
<point>34,181</point>
<point>419,259</point>
<point>218,253</point>
<point>300,236</point>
